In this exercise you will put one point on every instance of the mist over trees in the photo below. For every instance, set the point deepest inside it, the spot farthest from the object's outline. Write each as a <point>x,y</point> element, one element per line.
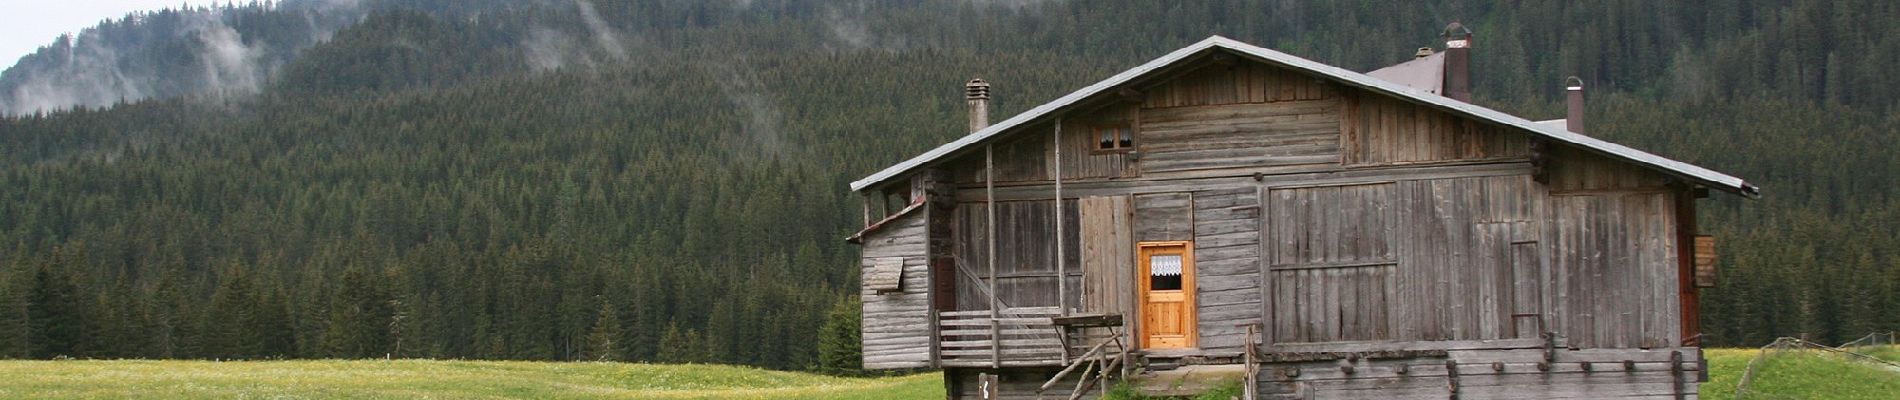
<point>665,180</point>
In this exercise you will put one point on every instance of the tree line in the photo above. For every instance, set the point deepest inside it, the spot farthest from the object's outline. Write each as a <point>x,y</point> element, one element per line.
<point>434,181</point>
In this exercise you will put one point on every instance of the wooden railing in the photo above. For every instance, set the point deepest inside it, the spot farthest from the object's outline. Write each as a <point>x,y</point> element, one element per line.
<point>1017,337</point>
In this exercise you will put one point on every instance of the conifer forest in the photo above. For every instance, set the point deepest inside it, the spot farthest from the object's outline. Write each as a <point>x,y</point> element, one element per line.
<point>666,180</point>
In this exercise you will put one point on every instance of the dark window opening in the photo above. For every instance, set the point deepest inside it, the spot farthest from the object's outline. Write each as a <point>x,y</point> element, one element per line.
<point>1114,138</point>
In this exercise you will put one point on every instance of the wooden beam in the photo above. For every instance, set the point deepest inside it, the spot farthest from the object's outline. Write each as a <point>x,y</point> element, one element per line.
<point>989,198</point>
<point>1062,287</point>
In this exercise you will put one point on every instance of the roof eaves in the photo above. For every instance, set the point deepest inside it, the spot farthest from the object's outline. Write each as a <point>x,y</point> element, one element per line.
<point>1688,171</point>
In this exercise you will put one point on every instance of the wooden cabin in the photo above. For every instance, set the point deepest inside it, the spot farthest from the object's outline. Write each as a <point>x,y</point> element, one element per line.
<point>1311,231</point>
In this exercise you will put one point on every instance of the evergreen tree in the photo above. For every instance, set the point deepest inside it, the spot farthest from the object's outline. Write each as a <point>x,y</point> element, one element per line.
<point>55,310</point>
<point>604,341</point>
<point>840,349</point>
<point>359,317</point>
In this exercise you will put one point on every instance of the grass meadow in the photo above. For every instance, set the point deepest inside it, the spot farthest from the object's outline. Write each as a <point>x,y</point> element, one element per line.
<point>429,379</point>
<point>1796,375</point>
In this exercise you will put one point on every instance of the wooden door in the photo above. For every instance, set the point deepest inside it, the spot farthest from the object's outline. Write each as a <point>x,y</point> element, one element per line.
<point>1166,291</point>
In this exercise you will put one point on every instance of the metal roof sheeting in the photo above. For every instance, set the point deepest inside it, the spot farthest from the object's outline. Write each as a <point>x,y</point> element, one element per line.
<point>1555,133</point>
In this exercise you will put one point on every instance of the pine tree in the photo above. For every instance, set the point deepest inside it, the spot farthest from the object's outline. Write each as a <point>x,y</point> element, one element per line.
<point>55,310</point>
<point>839,346</point>
<point>359,317</point>
<point>603,342</point>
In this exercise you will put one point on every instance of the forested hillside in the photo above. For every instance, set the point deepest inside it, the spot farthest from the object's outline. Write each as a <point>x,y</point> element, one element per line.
<point>665,180</point>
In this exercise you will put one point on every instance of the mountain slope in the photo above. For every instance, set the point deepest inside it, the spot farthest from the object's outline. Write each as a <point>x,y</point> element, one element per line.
<point>509,180</point>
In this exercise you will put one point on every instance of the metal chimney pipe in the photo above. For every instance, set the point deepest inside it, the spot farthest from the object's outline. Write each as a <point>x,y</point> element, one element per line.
<point>1573,120</point>
<point>1458,62</point>
<point>977,92</point>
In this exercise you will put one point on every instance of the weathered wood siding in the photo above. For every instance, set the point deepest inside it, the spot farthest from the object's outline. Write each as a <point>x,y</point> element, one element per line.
<point>1380,130</point>
<point>1437,259</point>
<point>1573,170</point>
<point>1021,159</point>
<point>1164,217</point>
<point>1278,134</point>
<point>1025,253</point>
<point>1244,82</point>
<point>1108,256</point>
<point>1227,266</point>
<point>897,326</point>
<point>1465,256</point>
<point>1615,263</point>
<point>1012,383</point>
<point>1080,158</point>
<point>1332,269</point>
<point>1492,374</point>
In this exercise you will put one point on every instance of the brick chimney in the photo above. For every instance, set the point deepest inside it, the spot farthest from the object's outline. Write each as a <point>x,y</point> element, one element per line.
<point>1458,62</point>
<point>977,92</point>
<point>1573,93</point>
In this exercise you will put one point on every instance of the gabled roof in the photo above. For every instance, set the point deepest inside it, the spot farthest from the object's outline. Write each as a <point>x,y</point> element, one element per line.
<point>1555,133</point>
<point>1424,73</point>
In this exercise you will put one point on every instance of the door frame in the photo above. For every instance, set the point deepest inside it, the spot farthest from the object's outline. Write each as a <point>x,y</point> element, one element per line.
<point>1190,327</point>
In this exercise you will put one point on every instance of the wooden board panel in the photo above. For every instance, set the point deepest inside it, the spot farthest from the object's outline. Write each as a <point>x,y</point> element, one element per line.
<point>896,328</point>
<point>1164,217</point>
<point>1239,136</point>
<point>1237,83</point>
<point>1108,258</point>
<point>1081,159</point>
<point>1613,264</point>
<point>1470,261</point>
<point>1384,130</point>
<point>1331,267</point>
<point>1025,253</point>
<point>1572,170</point>
<point>1227,261</point>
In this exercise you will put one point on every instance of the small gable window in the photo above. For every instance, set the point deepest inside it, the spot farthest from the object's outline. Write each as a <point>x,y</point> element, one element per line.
<point>1114,137</point>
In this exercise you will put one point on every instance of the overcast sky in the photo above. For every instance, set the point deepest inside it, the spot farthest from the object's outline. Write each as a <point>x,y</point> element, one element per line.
<point>25,25</point>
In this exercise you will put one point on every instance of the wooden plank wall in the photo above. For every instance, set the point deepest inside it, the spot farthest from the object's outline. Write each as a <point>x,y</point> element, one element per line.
<point>1380,130</point>
<point>1492,374</point>
<point>1614,261</point>
<point>1331,271</point>
<point>1436,259</point>
<point>1237,83</point>
<point>1026,253</point>
<point>1080,159</point>
<point>1226,265</point>
<point>897,326</point>
<point>1239,136</point>
<point>1013,383</point>
<point>1021,159</point>
<point>1573,170</point>
<point>1164,217</point>
<point>1464,257</point>
<point>1108,256</point>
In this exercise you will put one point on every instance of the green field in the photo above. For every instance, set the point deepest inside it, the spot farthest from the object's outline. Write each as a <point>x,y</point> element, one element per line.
<point>437,379</point>
<point>1797,375</point>
<point>1802,375</point>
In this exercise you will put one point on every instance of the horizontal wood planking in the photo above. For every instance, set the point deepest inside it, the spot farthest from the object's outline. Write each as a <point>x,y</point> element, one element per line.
<point>1240,135</point>
<point>1238,179</point>
<point>897,327</point>
<point>1214,84</point>
<point>1227,265</point>
<point>1164,217</point>
<point>1489,374</point>
<point>1384,130</point>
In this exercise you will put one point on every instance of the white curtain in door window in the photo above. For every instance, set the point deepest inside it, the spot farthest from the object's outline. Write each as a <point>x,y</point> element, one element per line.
<point>1165,265</point>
